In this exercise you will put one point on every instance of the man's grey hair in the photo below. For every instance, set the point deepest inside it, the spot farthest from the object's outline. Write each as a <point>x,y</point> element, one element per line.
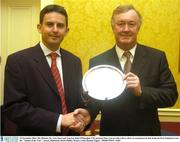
<point>123,9</point>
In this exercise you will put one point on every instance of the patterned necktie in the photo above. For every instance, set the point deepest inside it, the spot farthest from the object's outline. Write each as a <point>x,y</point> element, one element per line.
<point>127,66</point>
<point>58,81</point>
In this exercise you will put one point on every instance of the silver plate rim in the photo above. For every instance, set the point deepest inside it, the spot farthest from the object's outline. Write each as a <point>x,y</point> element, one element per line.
<point>100,67</point>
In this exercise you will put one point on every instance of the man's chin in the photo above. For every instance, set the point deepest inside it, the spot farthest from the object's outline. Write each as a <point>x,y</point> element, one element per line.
<point>55,41</point>
<point>55,44</point>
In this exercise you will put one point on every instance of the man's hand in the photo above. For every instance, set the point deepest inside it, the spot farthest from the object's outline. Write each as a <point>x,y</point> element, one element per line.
<point>133,83</point>
<point>68,120</point>
<point>83,118</point>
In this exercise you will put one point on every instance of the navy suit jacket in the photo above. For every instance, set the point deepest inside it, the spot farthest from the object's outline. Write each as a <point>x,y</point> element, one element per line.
<point>131,115</point>
<point>31,98</point>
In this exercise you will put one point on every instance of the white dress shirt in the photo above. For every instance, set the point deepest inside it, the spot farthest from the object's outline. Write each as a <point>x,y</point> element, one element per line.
<point>122,58</point>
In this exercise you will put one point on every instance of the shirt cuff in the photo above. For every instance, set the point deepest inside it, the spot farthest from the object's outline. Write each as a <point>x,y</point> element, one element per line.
<point>58,127</point>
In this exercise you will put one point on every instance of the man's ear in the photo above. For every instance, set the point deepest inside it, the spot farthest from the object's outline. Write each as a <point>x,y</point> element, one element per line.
<point>67,30</point>
<point>39,28</point>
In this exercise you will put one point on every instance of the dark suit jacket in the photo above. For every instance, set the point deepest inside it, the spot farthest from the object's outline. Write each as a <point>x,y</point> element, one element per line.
<point>130,115</point>
<point>31,98</point>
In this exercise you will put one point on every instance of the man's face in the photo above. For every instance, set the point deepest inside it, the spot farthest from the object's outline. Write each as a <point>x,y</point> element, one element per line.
<point>125,27</point>
<point>53,30</point>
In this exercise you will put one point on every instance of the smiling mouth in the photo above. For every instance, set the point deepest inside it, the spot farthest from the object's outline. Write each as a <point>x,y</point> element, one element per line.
<point>126,36</point>
<point>54,37</point>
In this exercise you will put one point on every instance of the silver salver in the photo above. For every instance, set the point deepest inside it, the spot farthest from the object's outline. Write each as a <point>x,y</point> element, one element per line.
<point>104,82</point>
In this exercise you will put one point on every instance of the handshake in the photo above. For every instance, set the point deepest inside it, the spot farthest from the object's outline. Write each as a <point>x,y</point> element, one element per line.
<point>76,120</point>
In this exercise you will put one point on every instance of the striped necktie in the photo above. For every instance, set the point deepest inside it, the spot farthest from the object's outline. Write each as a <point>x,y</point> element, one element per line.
<point>127,66</point>
<point>58,81</point>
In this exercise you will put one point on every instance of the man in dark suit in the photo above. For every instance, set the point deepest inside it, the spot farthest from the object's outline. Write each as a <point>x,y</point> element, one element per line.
<point>150,84</point>
<point>32,97</point>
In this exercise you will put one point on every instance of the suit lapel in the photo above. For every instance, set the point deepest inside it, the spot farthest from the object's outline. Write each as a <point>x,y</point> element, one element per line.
<point>113,59</point>
<point>66,71</point>
<point>43,67</point>
<point>139,60</point>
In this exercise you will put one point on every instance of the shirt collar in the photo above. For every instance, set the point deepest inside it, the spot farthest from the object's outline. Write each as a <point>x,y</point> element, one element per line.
<point>47,51</point>
<point>120,52</point>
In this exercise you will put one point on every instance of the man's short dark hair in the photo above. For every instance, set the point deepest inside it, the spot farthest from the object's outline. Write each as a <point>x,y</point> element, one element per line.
<point>53,8</point>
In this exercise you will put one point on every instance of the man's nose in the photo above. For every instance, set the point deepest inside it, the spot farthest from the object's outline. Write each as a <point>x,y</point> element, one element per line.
<point>55,28</point>
<point>126,27</point>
